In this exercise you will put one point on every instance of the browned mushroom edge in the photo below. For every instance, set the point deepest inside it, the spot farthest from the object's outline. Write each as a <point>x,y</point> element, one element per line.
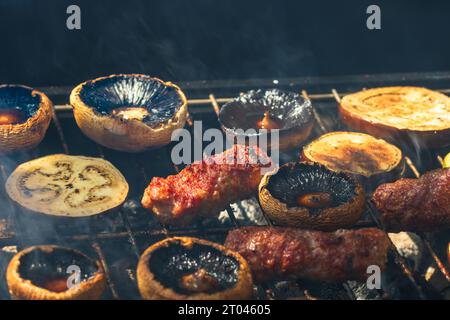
<point>189,268</point>
<point>311,196</point>
<point>43,272</point>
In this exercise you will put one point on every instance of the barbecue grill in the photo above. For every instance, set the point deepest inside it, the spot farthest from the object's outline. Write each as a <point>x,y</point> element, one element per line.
<point>118,238</point>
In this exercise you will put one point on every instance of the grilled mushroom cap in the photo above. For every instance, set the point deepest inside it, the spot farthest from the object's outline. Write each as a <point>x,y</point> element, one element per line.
<point>268,109</point>
<point>448,253</point>
<point>312,197</point>
<point>42,273</point>
<point>129,112</point>
<point>25,115</point>
<point>182,268</point>
<point>369,159</point>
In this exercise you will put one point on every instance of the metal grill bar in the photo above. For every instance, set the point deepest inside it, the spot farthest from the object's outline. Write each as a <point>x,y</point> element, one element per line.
<point>316,115</point>
<point>206,101</point>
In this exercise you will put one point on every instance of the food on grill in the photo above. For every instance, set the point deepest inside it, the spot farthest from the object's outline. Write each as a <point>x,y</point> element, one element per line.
<point>369,159</point>
<point>447,161</point>
<point>25,115</point>
<point>129,112</point>
<point>205,188</point>
<point>71,186</point>
<point>54,273</point>
<point>286,253</point>
<point>311,197</point>
<point>268,109</point>
<point>417,114</point>
<point>419,205</point>
<point>189,268</point>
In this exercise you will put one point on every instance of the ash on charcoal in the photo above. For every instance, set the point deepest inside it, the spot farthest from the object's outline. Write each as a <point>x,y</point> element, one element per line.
<point>409,246</point>
<point>361,292</point>
<point>246,211</point>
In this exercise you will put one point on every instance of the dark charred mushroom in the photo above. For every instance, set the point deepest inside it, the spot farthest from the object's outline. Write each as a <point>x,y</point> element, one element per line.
<point>312,197</point>
<point>272,109</point>
<point>54,273</point>
<point>190,268</point>
<point>129,112</point>
<point>25,115</point>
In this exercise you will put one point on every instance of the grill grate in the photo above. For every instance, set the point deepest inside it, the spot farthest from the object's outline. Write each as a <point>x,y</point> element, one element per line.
<point>131,229</point>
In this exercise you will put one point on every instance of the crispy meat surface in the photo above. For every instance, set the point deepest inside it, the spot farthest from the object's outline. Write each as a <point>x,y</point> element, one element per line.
<point>420,205</point>
<point>281,253</point>
<point>205,188</point>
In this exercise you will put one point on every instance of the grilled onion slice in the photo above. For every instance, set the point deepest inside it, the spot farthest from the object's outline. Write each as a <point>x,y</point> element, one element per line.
<point>410,114</point>
<point>63,185</point>
<point>370,159</point>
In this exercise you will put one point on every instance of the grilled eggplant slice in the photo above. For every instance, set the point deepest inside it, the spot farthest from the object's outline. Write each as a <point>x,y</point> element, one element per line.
<point>25,115</point>
<point>183,268</point>
<point>129,112</point>
<point>310,196</point>
<point>400,113</point>
<point>43,272</point>
<point>70,186</point>
<point>371,160</point>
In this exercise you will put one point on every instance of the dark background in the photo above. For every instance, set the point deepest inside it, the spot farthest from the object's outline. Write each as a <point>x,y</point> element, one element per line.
<point>183,40</point>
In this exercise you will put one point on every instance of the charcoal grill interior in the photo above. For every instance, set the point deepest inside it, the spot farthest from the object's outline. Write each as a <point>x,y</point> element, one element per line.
<point>119,237</point>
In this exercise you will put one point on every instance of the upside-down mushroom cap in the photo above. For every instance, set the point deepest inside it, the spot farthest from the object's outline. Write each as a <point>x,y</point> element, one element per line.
<point>25,115</point>
<point>310,196</point>
<point>129,112</point>
<point>268,109</point>
<point>182,268</point>
<point>42,273</point>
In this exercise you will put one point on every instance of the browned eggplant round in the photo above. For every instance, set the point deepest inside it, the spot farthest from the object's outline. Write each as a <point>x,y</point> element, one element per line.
<point>403,114</point>
<point>370,160</point>
<point>25,115</point>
